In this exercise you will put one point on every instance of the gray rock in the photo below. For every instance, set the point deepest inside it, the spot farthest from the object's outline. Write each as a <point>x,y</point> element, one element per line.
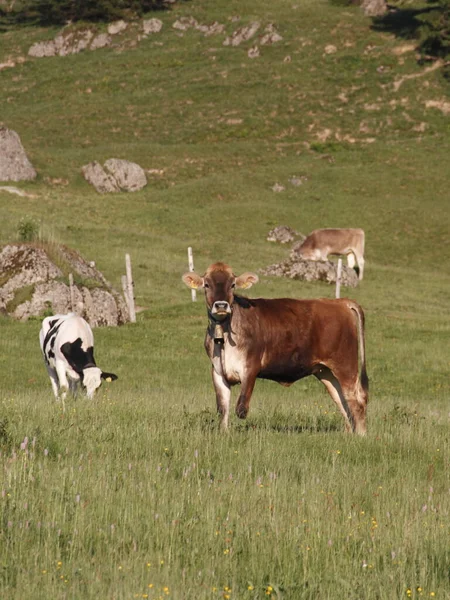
<point>271,35</point>
<point>253,52</point>
<point>308,270</point>
<point>152,26</point>
<point>129,176</point>
<point>28,273</point>
<point>116,175</point>
<point>42,49</point>
<point>242,35</point>
<point>213,29</point>
<point>14,163</point>
<point>184,23</point>
<point>117,27</point>
<point>65,43</point>
<point>374,8</point>
<point>74,42</point>
<point>102,40</point>
<point>103,182</point>
<point>284,235</point>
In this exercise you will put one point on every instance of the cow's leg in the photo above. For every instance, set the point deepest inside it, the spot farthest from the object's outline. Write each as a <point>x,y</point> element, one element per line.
<point>351,260</point>
<point>223,397</point>
<point>334,388</point>
<point>73,386</point>
<point>62,378</point>
<point>53,380</point>
<point>243,403</point>
<point>360,261</point>
<point>357,402</point>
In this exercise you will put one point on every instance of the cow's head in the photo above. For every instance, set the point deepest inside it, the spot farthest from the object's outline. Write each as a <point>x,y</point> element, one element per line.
<point>219,284</point>
<point>307,251</point>
<point>93,377</point>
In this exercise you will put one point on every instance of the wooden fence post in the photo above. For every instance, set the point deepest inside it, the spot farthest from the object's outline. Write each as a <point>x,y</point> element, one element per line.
<point>125,291</point>
<point>338,278</point>
<point>191,269</point>
<point>72,293</point>
<point>130,290</point>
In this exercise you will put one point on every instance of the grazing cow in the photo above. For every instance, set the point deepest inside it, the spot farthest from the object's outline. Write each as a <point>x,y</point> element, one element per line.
<point>322,242</point>
<point>283,340</point>
<point>67,344</point>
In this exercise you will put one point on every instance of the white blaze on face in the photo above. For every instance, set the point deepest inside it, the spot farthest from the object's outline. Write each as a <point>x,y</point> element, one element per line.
<point>92,380</point>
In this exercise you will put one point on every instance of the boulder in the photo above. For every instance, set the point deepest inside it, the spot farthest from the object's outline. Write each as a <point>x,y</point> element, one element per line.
<point>374,8</point>
<point>32,284</point>
<point>103,182</point>
<point>117,27</point>
<point>152,26</point>
<point>14,163</point>
<point>129,176</point>
<point>116,175</point>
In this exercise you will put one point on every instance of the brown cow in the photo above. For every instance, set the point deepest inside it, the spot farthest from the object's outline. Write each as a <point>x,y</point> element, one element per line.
<point>322,242</point>
<point>283,340</point>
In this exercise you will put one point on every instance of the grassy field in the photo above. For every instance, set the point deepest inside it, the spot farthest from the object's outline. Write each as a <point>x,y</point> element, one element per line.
<point>136,494</point>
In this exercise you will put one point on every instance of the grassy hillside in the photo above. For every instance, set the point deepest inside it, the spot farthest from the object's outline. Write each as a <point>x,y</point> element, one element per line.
<point>137,495</point>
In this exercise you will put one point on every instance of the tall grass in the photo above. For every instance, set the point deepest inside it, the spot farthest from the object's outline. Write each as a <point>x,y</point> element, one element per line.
<point>136,494</point>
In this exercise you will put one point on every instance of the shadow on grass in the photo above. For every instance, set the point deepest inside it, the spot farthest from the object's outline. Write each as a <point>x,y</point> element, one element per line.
<point>207,420</point>
<point>313,424</point>
<point>402,22</point>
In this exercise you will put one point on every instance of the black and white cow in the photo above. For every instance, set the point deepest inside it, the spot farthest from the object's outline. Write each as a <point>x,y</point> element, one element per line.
<point>67,344</point>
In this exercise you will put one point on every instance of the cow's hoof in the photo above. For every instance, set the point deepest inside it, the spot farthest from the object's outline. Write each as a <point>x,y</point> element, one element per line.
<point>241,411</point>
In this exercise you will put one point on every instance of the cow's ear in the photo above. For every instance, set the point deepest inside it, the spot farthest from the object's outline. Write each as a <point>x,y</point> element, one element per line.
<point>192,280</point>
<point>246,280</point>
<point>109,376</point>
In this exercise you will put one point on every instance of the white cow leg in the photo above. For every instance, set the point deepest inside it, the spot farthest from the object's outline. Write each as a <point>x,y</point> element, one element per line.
<point>53,380</point>
<point>361,266</point>
<point>223,397</point>
<point>351,261</point>
<point>62,377</point>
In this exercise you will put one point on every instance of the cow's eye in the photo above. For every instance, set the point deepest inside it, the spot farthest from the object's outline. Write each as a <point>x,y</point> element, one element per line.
<point>233,285</point>
<point>206,286</point>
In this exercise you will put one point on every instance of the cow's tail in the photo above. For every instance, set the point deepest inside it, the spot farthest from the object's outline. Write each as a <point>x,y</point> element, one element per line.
<point>361,344</point>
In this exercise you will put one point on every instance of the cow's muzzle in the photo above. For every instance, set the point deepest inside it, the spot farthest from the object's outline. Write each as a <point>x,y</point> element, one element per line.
<point>220,310</point>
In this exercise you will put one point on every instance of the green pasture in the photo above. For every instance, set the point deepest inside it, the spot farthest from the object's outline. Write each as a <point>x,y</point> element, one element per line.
<point>136,494</point>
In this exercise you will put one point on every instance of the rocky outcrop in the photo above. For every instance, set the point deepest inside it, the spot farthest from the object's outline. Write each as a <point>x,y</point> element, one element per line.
<point>308,270</point>
<point>34,281</point>
<point>120,35</point>
<point>14,163</point>
<point>243,34</point>
<point>116,175</point>
<point>71,42</point>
